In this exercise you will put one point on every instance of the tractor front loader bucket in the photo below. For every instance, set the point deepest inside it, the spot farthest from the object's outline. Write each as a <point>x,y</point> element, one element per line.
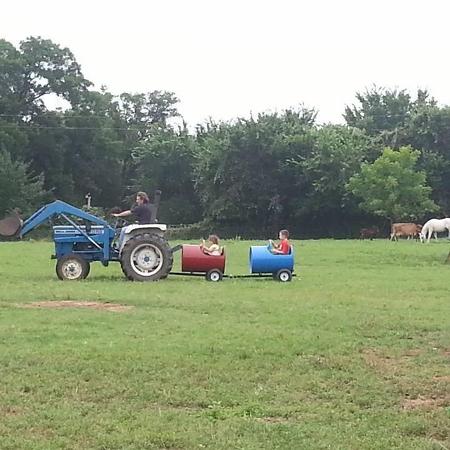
<point>10,226</point>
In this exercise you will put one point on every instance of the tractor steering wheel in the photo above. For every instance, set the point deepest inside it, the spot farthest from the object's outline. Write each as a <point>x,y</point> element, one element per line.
<point>120,222</point>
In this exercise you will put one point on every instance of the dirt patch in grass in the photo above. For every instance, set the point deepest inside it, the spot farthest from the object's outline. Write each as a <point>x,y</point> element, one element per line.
<point>387,364</point>
<point>9,411</point>
<point>413,352</point>
<point>373,359</point>
<point>114,307</point>
<point>380,363</point>
<point>442,378</point>
<point>425,403</point>
<point>400,371</point>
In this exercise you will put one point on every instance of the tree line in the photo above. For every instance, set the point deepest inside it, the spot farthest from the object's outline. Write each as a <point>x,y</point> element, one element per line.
<point>390,161</point>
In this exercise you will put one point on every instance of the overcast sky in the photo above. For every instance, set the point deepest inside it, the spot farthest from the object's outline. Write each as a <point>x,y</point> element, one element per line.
<point>225,59</point>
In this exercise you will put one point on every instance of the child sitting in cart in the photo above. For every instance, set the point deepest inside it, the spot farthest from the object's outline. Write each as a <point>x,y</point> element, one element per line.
<point>214,247</point>
<point>283,247</point>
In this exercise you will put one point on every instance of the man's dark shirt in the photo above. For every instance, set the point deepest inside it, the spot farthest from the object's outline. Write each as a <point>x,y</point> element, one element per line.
<point>143,213</point>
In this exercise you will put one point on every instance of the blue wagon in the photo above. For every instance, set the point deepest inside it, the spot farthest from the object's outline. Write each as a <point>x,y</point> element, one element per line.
<point>263,261</point>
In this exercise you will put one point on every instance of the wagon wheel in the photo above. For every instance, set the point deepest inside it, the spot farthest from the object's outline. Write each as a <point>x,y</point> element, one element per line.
<point>284,275</point>
<point>214,275</point>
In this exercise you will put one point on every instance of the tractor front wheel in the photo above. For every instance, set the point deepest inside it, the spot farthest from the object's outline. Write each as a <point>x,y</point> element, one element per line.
<point>72,267</point>
<point>146,257</point>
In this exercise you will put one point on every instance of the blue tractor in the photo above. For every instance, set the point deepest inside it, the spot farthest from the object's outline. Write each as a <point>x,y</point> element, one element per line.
<point>142,250</point>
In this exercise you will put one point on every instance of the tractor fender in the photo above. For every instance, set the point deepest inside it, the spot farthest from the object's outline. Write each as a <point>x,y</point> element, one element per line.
<point>151,227</point>
<point>132,230</point>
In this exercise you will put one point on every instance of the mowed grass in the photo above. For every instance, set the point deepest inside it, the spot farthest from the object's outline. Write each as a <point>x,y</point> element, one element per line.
<point>354,353</point>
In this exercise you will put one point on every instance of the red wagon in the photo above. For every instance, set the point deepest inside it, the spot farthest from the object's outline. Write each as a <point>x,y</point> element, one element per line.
<point>195,262</point>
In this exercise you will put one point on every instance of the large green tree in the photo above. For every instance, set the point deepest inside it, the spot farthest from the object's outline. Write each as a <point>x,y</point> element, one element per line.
<point>142,116</point>
<point>384,113</point>
<point>429,131</point>
<point>336,154</point>
<point>243,171</point>
<point>95,150</point>
<point>165,160</point>
<point>39,67</point>
<point>90,146</point>
<point>392,187</point>
<point>19,188</point>
<point>29,74</point>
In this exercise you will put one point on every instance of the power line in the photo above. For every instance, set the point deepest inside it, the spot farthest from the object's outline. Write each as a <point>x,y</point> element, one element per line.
<point>87,116</point>
<point>84,116</point>
<point>44,127</point>
<point>30,125</point>
<point>39,127</point>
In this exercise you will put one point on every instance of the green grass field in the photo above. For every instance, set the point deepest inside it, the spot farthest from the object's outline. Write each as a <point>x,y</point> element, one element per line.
<point>354,353</point>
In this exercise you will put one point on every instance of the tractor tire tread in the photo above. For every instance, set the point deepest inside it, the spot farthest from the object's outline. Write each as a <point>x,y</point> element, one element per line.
<point>154,239</point>
<point>86,267</point>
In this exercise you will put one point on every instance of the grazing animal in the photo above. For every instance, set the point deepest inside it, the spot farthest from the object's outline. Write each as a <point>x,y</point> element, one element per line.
<point>368,233</point>
<point>409,230</point>
<point>434,226</point>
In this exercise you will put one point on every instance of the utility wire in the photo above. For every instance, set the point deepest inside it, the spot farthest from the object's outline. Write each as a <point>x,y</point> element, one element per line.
<point>81,116</point>
<point>86,116</point>
<point>45,127</point>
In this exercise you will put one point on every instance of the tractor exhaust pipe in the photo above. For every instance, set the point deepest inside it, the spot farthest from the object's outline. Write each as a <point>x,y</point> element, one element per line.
<point>155,206</point>
<point>10,226</point>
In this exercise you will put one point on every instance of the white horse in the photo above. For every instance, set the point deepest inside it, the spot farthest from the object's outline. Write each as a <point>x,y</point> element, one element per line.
<point>434,226</point>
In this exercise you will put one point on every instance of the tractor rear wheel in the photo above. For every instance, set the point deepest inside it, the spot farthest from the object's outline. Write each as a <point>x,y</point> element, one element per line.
<point>72,267</point>
<point>146,257</point>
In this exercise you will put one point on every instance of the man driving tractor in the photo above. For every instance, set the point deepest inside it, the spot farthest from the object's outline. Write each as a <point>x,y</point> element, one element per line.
<point>142,210</point>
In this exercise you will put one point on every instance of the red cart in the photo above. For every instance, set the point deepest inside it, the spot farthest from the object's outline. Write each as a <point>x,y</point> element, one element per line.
<point>195,262</point>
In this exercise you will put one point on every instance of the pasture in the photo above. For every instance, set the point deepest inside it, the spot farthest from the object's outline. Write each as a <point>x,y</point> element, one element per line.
<point>354,353</point>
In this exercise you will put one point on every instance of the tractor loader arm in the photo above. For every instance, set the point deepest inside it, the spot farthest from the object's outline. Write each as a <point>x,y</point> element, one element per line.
<point>13,226</point>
